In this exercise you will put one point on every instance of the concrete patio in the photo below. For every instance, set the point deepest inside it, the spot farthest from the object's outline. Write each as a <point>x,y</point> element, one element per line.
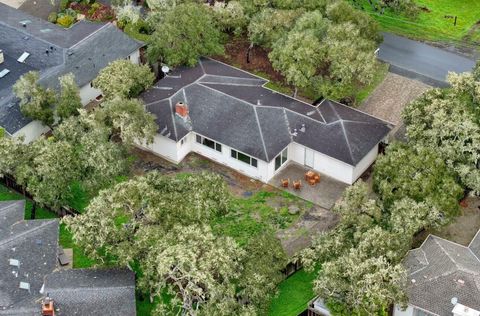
<point>325,193</point>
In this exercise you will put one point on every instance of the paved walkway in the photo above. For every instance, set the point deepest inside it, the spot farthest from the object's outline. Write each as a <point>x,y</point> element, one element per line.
<point>421,61</point>
<point>391,96</point>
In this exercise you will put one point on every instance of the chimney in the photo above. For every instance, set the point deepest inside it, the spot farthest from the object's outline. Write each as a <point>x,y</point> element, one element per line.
<point>47,307</point>
<point>1,57</point>
<point>181,109</point>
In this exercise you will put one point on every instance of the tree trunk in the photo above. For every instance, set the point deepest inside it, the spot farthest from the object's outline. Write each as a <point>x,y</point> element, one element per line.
<point>34,210</point>
<point>249,50</point>
<point>295,92</point>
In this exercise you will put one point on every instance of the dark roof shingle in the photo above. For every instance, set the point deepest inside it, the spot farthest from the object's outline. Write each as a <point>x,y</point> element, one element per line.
<point>233,107</point>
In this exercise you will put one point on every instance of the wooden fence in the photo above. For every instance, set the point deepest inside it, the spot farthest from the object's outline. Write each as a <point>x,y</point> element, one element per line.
<point>11,183</point>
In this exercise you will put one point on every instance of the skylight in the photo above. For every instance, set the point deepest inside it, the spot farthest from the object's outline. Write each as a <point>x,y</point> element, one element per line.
<point>22,58</point>
<point>4,72</point>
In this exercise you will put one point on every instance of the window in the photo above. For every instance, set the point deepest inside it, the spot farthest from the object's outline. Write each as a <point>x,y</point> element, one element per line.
<point>281,159</point>
<point>183,140</point>
<point>244,158</point>
<point>209,143</point>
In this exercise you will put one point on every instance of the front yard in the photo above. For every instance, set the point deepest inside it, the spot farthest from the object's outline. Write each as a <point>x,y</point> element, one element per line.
<point>431,23</point>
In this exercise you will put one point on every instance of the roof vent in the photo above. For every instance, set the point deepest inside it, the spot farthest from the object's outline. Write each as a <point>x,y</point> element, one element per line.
<point>14,262</point>
<point>1,57</point>
<point>310,113</point>
<point>22,58</point>
<point>25,22</point>
<point>4,72</point>
<point>25,286</point>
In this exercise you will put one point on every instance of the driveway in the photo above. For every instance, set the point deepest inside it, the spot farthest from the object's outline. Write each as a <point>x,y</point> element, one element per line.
<point>420,61</point>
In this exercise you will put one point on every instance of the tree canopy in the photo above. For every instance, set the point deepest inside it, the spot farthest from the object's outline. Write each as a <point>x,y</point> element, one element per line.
<point>184,33</point>
<point>123,79</point>
<point>161,224</point>
<point>447,121</point>
<point>417,173</point>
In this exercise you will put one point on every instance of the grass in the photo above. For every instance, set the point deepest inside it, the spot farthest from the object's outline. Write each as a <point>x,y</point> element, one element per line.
<point>431,23</point>
<point>380,74</point>
<point>250,216</point>
<point>294,294</point>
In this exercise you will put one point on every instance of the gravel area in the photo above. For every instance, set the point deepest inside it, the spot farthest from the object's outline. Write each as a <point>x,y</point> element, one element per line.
<point>391,96</point>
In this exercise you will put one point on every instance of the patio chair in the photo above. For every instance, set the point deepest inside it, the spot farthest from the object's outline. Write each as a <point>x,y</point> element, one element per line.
<point>312,181</point>
<point>297,185</point>
<point>285,183</point>
<point>317,178</point>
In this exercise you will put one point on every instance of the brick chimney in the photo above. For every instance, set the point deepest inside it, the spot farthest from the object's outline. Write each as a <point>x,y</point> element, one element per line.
<point>47,307</point>
<point>181,109</point>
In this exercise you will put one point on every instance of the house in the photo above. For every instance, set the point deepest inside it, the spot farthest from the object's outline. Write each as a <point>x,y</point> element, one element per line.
<point>29,273</point>
<point>229,116</point>
<point>28,43</point>
<point>443,279</point>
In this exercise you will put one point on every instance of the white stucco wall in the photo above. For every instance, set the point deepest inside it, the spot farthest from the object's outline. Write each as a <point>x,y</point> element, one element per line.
<point>135,57</point>
<point>260,172</point>
<point>164,147</point>
<point>323,164</point>
<point>88,93</point>
<point>365,163</point>
<point>31,131</point>
<point>397,311</point>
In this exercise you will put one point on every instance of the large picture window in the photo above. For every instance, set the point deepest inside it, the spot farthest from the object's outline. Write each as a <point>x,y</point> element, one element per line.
<point>281,159</point>
<point>244,158</point>
<point>209,143</point>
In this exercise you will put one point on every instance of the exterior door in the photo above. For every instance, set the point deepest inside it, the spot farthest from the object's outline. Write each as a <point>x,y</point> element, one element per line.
<point>309,157</point>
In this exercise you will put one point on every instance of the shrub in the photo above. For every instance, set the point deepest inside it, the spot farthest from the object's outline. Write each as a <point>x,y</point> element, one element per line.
<point>65,20</point>
<point>63,5</point>
<point>52,17</point>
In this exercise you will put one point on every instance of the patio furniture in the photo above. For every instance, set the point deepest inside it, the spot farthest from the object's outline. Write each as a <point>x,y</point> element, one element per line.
<point>297,185</point>
<point>312,177</point>
<point>285,183</point>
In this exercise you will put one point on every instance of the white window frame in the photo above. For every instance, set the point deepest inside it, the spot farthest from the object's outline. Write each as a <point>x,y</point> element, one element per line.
<point>253,161</point>
<point>216,145</point>
<point>283,155</point>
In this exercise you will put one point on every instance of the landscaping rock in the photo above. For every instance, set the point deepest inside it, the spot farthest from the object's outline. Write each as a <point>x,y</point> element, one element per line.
<point>293,209</point>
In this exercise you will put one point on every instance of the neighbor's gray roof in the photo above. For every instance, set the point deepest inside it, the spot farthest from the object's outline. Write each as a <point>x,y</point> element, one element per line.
<point>440,270</point>
<point>83,49</point>
<point>92,292</point>
<point>233,107</point>
<point>34,244</point>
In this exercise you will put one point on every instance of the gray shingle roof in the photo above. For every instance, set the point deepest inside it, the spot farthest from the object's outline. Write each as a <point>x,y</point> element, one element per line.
<point>233,107</point>
<point>440,270</point>
<point>92,292</point>
<point>83,49</point>
<point>34,243</point>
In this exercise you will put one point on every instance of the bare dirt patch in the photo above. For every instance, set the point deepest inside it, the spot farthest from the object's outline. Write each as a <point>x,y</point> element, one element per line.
<point>462,229</point>
<point>236,55</point>
<point>391,96</point>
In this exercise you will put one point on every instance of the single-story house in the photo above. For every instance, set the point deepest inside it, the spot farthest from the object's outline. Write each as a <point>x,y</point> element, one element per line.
<point>443,279</point>
<point>28,43</point>
<point>229,116</point>
<point>30,273</point>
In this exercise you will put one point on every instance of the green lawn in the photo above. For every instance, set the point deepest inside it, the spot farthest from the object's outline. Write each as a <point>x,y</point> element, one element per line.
<point>294,294</point>
<point>362,94</point>
<point>250,216</point>
<point>431,23</point>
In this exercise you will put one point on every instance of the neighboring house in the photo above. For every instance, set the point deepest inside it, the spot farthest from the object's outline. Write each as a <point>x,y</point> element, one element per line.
<point>443,279</point>
<point>28,43</point>
<point>227,115</point>
<point>29,272</point>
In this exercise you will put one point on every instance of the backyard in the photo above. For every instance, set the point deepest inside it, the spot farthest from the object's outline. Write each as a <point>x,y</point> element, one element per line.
<point>432,23</point>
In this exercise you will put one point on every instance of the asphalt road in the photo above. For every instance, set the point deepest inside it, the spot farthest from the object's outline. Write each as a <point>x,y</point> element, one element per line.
<point>421,61</point>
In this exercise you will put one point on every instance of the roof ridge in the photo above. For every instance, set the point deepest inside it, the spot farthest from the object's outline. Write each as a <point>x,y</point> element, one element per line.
<point>45,222</point>
<point>261,133</point>
<point>344,133</point>
<point>90,35</point>
<point>474,237</point>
